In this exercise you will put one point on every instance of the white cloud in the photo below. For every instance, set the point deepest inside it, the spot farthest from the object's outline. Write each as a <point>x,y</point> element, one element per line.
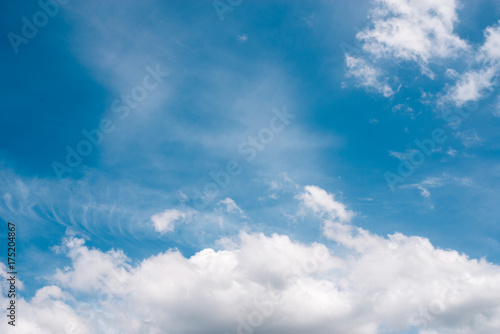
<point>165,221</point>
<point>309,19</point>
<point>404,109</point>
<point>403,155</point>
<point>183,197</point>
<point>469,138</point>
<point>399,271</point>
<point>438,182</point>
<point>451,73</point>
<point>490,51</point>
<point>451,152</point>
<point>283,184</point>
<point>322,202</point>
<point>48,312</point>
<point>242,38</point>
<point>272,284</point>
<point>79,277</point>
<point>424,192</point>
<point>231,206</point>
<point>472,86</point>
<point>422,31</point>
<point>367,75</point>
<point>367,284</point>
<point>416,30</point>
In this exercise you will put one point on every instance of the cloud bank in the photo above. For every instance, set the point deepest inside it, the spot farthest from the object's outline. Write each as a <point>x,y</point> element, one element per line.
<point>357,282</point>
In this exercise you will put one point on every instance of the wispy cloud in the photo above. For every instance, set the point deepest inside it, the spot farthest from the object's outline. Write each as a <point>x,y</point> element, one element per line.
<point>469,138</point>
<point>367,75</point>
<point>437,182</point>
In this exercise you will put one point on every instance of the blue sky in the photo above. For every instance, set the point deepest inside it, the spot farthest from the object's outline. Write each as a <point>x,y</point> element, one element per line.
<point>361,81</point>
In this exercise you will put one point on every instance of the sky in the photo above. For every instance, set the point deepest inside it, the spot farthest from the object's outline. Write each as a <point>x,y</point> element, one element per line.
<point>237,166</point>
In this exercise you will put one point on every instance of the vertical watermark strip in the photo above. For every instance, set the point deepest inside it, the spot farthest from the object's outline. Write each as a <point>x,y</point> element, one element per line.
<point>11,267</point>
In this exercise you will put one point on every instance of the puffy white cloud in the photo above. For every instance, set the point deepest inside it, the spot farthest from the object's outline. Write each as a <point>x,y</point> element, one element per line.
<point>165,221</point>
<point>422,31</point>
<point>471,86</point>
<point>399,272</point>
<point>274,285</point>
<point>490,51</point>
<point>367,284</point>
<point>320,201</point>
<point>475,83</point>
<point>367,75</point>
<point>80,278</point>
<point>47,312</point>
<point>416,30</point>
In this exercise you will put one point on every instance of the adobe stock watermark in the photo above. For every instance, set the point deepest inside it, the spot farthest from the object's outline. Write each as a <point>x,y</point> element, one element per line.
<point>121,107</point>
<point>222,6</point>
<point>249,149</point>
<point>31,26</point>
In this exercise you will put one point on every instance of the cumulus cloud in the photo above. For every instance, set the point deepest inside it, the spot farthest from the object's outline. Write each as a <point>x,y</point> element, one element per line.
<point>490,51</point>
<point>165,221</point>
<point>418,31</point>
<point>422,32</point>
<point>322,202</point>
<point>48,312</point>
<point>475,83</point>
<point>471,86</point>
<point>365,284</point>
<point>413,30</point>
